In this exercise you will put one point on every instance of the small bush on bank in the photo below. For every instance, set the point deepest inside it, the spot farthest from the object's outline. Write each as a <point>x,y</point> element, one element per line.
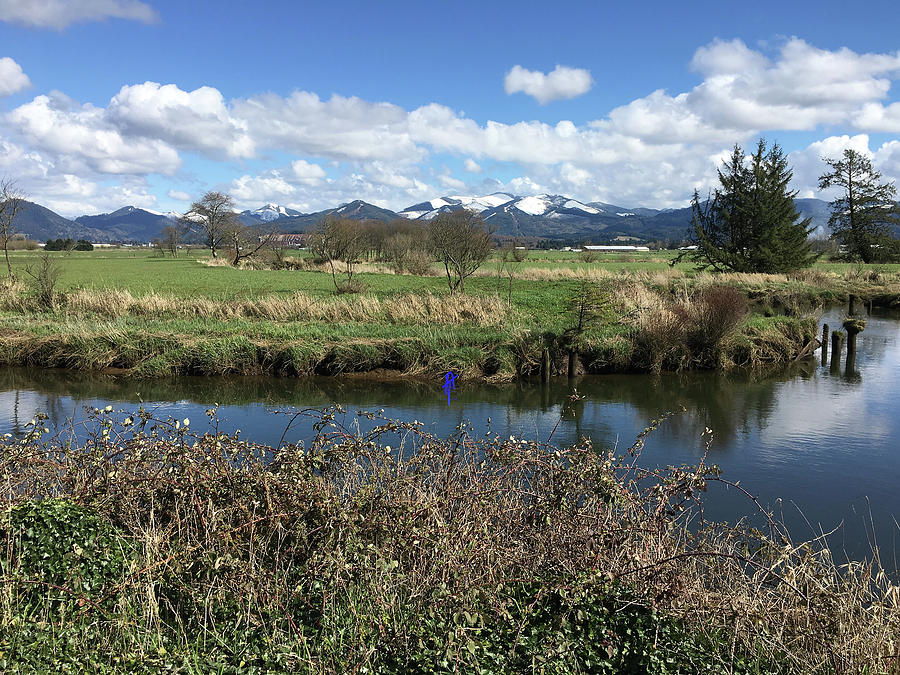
<point>709,318</point>
<point>692,331</point>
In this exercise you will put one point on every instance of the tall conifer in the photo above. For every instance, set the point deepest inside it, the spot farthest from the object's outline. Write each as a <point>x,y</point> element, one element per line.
<point>751,223</point>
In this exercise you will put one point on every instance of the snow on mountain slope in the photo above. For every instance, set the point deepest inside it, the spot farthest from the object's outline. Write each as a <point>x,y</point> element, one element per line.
<point>486,202</point>
<point>578,206</point>
<point>533,206</point>
<point>428,210</point>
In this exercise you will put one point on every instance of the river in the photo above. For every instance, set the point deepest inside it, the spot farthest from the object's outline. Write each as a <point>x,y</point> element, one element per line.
<point>820,446</point>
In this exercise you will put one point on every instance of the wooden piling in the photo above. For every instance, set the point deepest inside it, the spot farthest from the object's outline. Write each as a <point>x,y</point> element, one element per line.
<point>837,338</point>
<point>824,343</point>
<point>853,327</point>
<point>573,363</point>
<point>545,365</point>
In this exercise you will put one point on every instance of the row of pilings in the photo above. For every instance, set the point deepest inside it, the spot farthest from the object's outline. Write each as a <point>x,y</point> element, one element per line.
<point>854,325</point>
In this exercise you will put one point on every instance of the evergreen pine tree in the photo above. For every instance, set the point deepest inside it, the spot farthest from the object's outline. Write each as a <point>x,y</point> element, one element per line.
<point>751,223</point>
<point>861,218</point>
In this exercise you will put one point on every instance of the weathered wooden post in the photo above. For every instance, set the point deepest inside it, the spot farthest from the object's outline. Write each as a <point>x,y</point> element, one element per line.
<point>854,327</point>
<point>824,343</point>
<point>573,363</point>
<point>545,365</point>
<point>837,337</point>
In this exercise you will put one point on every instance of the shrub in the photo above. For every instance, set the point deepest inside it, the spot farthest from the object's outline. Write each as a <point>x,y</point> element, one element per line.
<point>659,341</point>
<point>709,317</point>
<point>457,554</point>
<point>44,275</point>
<point>418,262</point>
<point>349,286</point>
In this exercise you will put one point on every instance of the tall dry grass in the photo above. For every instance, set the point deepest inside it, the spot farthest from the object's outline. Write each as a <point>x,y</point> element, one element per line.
<point>412,308</point>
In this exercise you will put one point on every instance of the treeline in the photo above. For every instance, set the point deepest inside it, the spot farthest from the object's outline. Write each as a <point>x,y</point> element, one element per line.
<point>68,245</point>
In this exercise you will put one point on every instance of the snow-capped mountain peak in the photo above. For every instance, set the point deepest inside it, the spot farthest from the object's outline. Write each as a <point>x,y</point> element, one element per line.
<point>272,212</point>
<point>428,210</point>
<point>269,212</point>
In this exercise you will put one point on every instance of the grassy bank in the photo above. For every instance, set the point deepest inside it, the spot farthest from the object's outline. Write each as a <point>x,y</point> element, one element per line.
<point>153,548</point>
<point>477,337</point>
<point>153,316</point>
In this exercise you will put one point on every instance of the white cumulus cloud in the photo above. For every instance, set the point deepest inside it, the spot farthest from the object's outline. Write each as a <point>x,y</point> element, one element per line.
<point>82,138</point>
<point>340,128</point>
<point>306,172</point>
<point>61,13</point>
<point>472,166</point>
<point>195,120</point>
<point>12,78</point>
<point>179,195</point>
<point>560,83</point>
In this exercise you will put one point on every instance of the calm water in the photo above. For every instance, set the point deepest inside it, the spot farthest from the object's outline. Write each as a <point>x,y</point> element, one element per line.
<point>825,443</point>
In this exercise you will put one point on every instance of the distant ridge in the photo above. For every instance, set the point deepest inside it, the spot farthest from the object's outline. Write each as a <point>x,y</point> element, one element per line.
<point>128,224</point>
<point>355,210</point>
<point>40,223</point>
<point>534,216</point>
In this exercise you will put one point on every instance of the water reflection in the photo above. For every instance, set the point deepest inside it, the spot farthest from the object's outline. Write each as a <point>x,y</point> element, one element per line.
<point>728,403</point>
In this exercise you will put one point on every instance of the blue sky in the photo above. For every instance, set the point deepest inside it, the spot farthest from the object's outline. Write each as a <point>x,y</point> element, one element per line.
<point>105,103</point>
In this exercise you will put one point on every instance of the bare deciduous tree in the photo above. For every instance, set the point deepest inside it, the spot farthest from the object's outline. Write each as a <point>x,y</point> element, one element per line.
<point>245,241</point>
<point>169,240</point>
<point>11,201</point>
<point>212,217</point>
<point>460,241</point>
<point>341,240</point>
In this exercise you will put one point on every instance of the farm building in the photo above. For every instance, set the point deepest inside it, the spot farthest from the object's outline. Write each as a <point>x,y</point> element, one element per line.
<point>617,249</point>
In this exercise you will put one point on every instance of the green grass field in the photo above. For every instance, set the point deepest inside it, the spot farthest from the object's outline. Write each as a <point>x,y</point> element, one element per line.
<point>140,272</point>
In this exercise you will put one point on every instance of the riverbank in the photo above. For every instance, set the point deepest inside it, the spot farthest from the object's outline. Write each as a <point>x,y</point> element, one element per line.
<point>459,554</point>
<point>146,346</point>
<point>219,320</point>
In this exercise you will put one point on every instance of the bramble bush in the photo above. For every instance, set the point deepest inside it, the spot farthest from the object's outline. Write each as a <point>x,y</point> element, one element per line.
<point>379,547</point>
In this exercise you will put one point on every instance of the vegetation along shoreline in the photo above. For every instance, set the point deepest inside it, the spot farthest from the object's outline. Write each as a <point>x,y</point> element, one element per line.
<point>631,319</point>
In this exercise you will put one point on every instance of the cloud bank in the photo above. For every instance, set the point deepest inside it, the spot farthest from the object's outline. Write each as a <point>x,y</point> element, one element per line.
<point>308,152</point>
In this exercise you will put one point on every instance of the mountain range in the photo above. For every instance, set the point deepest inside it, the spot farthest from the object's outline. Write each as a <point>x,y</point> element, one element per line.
<point>553,217</point>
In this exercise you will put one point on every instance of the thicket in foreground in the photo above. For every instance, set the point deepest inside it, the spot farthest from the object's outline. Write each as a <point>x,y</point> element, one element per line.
<point>381,548</point>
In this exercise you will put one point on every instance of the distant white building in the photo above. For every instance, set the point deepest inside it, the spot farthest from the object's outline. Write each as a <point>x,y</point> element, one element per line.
<point>618,249</point>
